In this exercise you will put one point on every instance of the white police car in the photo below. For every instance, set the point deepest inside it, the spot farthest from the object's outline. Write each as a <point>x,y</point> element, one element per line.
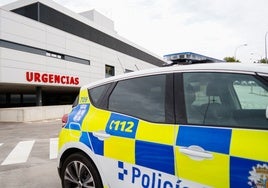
<point>197,126</point>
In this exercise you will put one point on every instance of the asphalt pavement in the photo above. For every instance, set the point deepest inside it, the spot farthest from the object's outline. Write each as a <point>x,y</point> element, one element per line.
<point>28,154</point>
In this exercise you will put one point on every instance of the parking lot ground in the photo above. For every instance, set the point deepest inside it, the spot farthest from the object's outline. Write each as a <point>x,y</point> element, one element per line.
<point>28,154</point>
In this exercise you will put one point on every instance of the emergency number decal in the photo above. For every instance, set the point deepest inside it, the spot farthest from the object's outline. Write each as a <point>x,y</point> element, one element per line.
<point>121,125</point>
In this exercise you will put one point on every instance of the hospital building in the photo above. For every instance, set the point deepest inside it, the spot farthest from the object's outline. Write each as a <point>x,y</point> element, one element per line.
<point>47,52</point>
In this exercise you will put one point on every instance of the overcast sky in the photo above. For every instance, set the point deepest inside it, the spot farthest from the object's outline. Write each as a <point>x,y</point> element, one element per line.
<point>215,28</point>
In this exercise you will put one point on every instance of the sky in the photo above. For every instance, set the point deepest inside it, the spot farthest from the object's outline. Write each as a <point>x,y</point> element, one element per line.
<point>215,28</point>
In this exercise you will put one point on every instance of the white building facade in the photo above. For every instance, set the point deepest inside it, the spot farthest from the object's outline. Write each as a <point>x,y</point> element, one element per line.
<point>48,52</point>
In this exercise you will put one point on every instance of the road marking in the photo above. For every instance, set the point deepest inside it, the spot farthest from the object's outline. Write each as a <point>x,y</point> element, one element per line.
<point>20,153</point>
<point>53,148</point>
<point>1,144</point>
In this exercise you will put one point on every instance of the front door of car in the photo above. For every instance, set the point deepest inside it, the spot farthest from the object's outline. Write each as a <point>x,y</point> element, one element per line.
<point>223,142</point>
<point>139,150</point>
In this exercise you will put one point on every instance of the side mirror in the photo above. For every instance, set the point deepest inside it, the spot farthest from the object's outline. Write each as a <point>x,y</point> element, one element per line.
<point>267,112</point>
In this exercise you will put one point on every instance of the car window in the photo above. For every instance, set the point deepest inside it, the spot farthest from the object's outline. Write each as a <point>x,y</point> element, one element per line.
<point>75,103</point>
<point>96,93</point>
<point>251,94</point>
<point>225,99</point>
<point>140,97</point>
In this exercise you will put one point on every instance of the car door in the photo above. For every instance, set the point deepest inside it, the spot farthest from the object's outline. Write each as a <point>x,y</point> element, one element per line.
<point>223,142</point>
<point>140,134</point>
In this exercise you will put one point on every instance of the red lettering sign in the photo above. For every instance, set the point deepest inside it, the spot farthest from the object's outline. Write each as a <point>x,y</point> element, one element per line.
<point>51,78</point>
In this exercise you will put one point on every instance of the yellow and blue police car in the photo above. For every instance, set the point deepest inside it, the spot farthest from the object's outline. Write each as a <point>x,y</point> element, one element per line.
<point>195,126</point>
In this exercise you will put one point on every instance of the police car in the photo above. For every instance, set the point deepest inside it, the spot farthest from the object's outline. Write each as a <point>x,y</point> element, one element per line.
<point>195,126</point>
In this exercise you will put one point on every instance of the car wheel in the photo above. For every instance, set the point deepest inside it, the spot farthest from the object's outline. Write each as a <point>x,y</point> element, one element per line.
<point>78,171</point>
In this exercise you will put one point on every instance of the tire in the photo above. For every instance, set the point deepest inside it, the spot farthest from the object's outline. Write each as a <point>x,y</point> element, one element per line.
<point>78,171</point>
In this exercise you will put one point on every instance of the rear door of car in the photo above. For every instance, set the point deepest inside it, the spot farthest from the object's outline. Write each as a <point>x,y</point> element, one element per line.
<point>140,133</point>
<point>222,142</point>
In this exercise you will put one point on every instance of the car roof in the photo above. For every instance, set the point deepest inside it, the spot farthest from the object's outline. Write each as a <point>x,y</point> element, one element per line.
<point>249,68</point>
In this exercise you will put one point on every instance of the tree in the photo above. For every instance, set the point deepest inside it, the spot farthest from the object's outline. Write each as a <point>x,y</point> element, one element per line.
<point>231,59</point>
<point>263,61</point>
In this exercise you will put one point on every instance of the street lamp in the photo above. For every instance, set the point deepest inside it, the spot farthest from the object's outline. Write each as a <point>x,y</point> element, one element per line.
<point>237,49</point>
<point>256,54</point>
<point>265,43</point>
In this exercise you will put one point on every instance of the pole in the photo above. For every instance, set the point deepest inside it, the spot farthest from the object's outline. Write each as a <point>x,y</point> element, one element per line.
<point>265,45</point>
<point>39,96</point>
<point>237,49</point>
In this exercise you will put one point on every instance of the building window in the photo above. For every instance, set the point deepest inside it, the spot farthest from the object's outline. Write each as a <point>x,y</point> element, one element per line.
<point>3,98</point>
<point>77,60</point>
<point>55,55</point>
<point>109,71</point>
<point>15,98</point>
<point>29,11</point>
<point>29,99</point>
<point>29,49</point>
<point>128,70</point>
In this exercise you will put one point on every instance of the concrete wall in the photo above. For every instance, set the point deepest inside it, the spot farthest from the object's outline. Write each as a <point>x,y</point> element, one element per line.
<point>27,114</point>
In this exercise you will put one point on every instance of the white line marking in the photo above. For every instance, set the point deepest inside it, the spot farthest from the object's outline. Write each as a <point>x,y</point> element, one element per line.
<point>1,144</point>
<point>53,148</point>
<point>20,153</point>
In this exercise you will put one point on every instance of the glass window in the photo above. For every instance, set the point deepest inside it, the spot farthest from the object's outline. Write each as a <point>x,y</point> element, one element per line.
<point>76,59</point>
<point>109,71</point>
<point>30,11</point>
<point>128,70</point>
<point>3,99</point>
<point>55,55</point>
<point>95,93</point>
<point>29,99</point>
<point>225,99</point>
<point>140,97</point>
<point>15,98</point>
<point>182,56</point>
<point>76,101</point>
<point>251,94</point>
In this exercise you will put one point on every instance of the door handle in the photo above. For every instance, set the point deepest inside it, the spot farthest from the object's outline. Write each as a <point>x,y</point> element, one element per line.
<point>196,153</point>
<point>101,135</point>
